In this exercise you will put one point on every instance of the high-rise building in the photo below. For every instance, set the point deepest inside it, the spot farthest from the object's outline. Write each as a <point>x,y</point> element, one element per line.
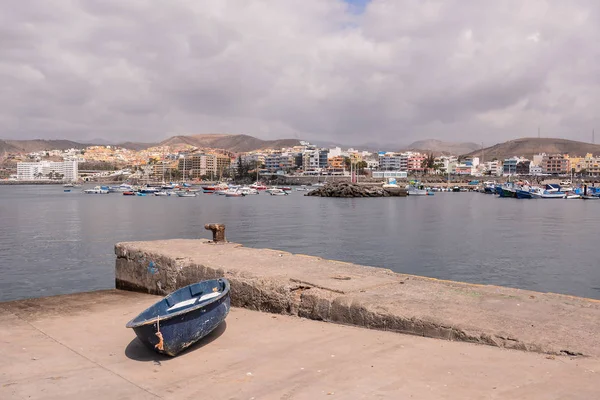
<point>46,170</point>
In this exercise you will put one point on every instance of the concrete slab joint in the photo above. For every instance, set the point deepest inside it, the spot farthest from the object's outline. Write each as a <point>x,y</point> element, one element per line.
<point>368,297</point>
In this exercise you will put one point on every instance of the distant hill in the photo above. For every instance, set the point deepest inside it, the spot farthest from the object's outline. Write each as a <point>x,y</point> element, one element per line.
<point>234,143</point>
<point>527,147</point>
<point>137,146</point>
<point>440,147</point>
<point>28,146</point>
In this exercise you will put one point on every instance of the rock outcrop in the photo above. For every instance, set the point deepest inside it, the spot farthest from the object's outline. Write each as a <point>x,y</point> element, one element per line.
<point>346,189</point>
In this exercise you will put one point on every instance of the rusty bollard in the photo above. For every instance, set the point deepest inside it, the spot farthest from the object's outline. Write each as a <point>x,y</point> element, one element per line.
<point>218,231</point>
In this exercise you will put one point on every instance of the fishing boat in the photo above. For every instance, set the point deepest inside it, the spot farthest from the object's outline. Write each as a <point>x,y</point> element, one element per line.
<point>129,193</point>
<point>416,189</point>
<point>303,188</point>
<point>572,196</point>
<point>161,193</point>
<point>523,193</point>
<point>588,197</point>
<point>183,317</point>
<point>508,191</point>
<point>141,194</point>
<point>67,190</point>
<point>96,190</point>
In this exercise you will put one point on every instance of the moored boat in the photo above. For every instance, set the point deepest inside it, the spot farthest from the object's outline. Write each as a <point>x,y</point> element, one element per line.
<point>183,317</point>
<point>96,190</point>
<point>539,193</point>
<point>277,192</point>
<point>186,194</point>
<point>129,193</point>
<point>258,186</point>
<point>523,194</point>
<point>248,191</point>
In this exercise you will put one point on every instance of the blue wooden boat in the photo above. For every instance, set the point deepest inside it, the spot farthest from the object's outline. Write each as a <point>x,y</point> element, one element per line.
<point>183,317</point>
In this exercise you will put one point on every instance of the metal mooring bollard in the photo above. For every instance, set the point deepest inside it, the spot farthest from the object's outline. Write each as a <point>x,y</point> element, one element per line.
<point>218,231</point>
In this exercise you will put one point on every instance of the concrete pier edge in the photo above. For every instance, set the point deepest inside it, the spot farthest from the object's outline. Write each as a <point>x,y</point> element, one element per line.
<point>376,298</point>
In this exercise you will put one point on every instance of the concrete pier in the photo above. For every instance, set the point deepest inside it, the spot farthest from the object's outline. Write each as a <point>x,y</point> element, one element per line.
<point>77,347</point>
<point>332,291</point>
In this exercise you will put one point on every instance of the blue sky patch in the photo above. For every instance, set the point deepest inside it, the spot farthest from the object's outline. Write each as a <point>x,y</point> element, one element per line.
<point>357,6</point>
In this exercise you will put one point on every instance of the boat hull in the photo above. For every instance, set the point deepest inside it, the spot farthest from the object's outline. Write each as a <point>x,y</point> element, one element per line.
<point>508,193</point>
<point>524,194</point>
<point>184,328</point>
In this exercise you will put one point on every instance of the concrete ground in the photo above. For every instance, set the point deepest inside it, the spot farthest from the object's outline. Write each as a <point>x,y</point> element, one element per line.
<point>77,347</point>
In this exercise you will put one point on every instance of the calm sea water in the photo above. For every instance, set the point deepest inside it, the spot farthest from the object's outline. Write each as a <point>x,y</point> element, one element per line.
<point>53,242</point>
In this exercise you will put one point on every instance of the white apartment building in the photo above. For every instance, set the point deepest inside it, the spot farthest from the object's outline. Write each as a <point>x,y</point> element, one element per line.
<point>46,170</point>
<point>493,168</point>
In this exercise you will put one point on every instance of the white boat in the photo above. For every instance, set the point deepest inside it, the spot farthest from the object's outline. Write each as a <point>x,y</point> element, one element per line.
<point>124,187</point>
<point>161,193</point>
<point>258,186</point>
<point>248,190</point>
<point>234,193</point>
<point>186,194</point>
<point>391,183</point>
<point>418,190</point>
<point>96,190</point>
<point>278,192</point>
<point>318,184</point>
<point>303,188</point>
<point>539,193</point>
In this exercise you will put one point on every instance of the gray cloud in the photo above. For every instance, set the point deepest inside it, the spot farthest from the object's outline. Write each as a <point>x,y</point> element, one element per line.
<point>398,71</point>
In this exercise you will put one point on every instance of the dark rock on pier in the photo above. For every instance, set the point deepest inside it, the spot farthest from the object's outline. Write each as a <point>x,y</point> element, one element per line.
<point>346,189</point>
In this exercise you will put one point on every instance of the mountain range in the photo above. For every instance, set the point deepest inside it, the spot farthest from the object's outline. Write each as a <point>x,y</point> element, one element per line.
<point>233,143</point>
<point>440,147</point>
<point>527,147</point>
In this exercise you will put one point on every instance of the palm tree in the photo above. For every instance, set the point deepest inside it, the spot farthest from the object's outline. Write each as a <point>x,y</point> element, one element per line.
<point>428,163</point>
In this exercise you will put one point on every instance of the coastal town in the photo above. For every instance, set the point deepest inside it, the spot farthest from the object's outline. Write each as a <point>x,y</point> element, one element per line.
<point>191,163</point>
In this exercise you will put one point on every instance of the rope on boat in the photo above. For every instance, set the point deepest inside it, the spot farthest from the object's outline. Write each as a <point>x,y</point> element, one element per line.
<point>160,344</point>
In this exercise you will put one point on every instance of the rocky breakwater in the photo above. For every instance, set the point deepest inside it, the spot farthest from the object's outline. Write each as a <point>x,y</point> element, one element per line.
<point>346,189</point>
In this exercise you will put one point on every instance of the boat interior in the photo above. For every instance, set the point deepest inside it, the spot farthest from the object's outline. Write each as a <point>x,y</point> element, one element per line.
<point>187,297</point>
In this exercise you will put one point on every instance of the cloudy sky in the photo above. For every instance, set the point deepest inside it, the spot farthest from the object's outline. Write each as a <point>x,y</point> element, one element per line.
<point>354,71</point>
